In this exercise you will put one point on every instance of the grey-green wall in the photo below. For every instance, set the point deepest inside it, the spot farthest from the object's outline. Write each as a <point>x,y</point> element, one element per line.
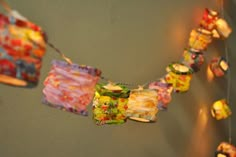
<point>131,41</point>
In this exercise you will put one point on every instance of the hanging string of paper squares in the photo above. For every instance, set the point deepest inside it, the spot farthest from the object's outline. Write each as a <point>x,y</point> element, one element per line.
<point>72,87</point>
<point>22,47</point>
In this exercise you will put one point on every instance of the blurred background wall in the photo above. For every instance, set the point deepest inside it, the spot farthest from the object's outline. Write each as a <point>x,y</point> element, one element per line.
<point>132,41</point>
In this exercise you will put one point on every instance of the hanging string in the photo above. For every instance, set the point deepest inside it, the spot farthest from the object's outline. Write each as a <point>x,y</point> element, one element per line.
<point>133,84</point>
<point>5,5</point>
<point>228,89</point>
<point>68,60</point>
<point>121,83</point>
<point>147,83</point>
<point>157,79</point>
<point>228,73</point>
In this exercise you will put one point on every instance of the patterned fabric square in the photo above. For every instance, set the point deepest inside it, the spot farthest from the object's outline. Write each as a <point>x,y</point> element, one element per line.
<point>70,87</point>
<point>110,104</point>
<point>22,46</point>
<point>164,91</point>
<point>179,76</point>
<point>142,105</point>
<point>200,39</point>
<point>193,59</point>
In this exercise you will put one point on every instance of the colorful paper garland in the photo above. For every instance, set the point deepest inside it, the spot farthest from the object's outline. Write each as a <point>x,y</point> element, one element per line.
<point>22,46</point>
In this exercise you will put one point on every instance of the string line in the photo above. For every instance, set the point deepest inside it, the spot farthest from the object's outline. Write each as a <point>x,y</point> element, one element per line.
<point>121,83</point>
<point>59,52</point>
<point>5,5</point>
<point>228,75</point>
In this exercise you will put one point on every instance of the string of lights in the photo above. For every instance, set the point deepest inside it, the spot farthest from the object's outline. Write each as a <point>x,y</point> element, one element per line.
<point>71,87</point>
<point>228,92</point>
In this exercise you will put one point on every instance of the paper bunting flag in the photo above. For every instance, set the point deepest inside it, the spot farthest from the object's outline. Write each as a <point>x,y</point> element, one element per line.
<point>200,39</point>
<point>220,110</point>
<point>193,59</point>
<point>209,19</point>
<point>219,66</point>
<point>110,104</point>
<point>164,91</point>
<point>142,105</point>
<point>22,47</point>
<point>70,87</point>
<point>225,150</point>
<point>179,76</point>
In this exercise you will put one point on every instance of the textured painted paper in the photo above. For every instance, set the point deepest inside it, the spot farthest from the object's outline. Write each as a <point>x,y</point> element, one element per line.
<point>218,66</point>
<point>142,105</point>
<point>193,59</point>
<point>164,91</point>
<point>70,87</point>
<point>179,76</point>
<point>209,19</point>
<point>110,104</point>
<point>220,110</point>
<point>200,39</point>
<point>225,150</point>
<point>22,47</point>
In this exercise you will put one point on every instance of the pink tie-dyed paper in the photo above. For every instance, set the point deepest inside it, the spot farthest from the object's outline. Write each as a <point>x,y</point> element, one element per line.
<point>164,91</point>
<point>70,87</point>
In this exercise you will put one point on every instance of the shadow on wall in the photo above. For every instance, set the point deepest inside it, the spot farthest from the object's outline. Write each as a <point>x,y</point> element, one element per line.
<point>229,7</point>
<point>182,117</point>
<point>1,103</point>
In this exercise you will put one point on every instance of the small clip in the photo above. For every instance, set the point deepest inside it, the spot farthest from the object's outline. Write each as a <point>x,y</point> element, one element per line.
<point>68,60</point>
<point>112,86</point>
<point>140,87</point>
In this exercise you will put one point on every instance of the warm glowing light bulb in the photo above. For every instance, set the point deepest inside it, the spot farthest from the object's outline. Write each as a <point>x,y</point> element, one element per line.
<point>224,65</point>
<point>210,75</point>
